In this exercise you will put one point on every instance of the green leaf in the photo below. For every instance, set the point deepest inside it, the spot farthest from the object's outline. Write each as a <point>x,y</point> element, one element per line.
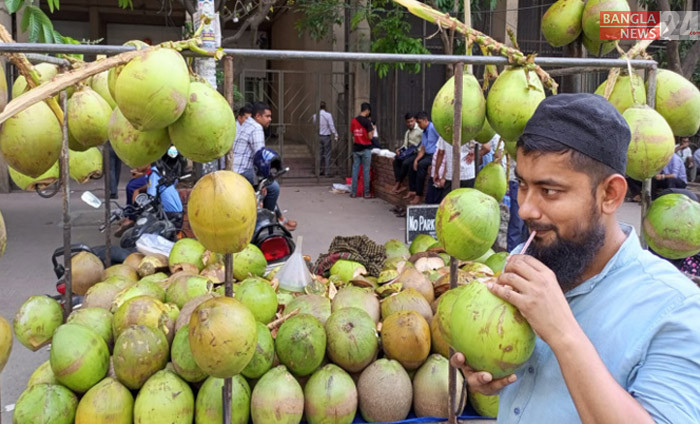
<point>57,37</point>
<point>50,3</point>
<point>13,5</point>
<point>47,33</point>
<point>35,27</point>
<point>25,21</point>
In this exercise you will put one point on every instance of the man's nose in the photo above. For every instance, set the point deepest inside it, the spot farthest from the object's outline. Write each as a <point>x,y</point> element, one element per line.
<point>528,206</point>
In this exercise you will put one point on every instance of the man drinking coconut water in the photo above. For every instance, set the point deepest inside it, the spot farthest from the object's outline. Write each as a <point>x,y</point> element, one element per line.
<point>618,328</point>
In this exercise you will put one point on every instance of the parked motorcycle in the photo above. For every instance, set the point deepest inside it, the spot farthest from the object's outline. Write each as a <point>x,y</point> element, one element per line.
<point>149,216</point>
<point>271,237</point>
<point>117,256</point>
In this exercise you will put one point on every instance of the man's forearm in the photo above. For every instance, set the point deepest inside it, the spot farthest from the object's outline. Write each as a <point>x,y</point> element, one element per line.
<point>598,397</point>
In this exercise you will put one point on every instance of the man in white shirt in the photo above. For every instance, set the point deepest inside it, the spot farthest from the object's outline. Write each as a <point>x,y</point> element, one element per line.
<point>683,150</point>
<point>326,129</point>
<point>442,171</point>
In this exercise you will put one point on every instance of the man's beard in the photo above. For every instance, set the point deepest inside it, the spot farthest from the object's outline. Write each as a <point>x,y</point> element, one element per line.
<point>569,258</point>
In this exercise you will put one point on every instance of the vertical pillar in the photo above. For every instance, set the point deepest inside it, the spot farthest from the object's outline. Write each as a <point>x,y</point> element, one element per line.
<point>456,159</point>
<point>505,16</point>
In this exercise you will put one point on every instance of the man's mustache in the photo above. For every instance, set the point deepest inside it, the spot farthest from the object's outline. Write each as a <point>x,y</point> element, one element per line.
<point>539,227</point>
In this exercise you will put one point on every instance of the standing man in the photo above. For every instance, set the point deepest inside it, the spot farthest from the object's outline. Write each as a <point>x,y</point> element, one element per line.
<point>617,339</point>
<point>249,140</point>
<point>696,162</point>
<point>245,112</point>
<point>406,154</point>
<point>362,132</point>
<point>326,129</point>
<point>419,171</point>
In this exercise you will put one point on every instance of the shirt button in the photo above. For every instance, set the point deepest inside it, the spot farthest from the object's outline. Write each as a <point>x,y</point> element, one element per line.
<point>531,370</point>
<point>517,411</point>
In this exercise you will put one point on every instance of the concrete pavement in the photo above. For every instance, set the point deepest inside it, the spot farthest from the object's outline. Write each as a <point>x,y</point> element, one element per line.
<point>35,231</point>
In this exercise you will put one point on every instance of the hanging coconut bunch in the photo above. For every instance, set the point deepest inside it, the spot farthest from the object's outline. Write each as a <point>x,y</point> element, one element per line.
<point>86,165</point>
<point>45,71</point>
<point>566,21</point>
<point>28,183</point>
<point>136,148</point>
<point>678,101</point>
<point>100,84</point>
<point>206,129</point>
<point>672,226</point>
<point>88,118</point>
<point>152,89</point>
<point>561,23</point>
<point>512,100</point>
<point>22,136</point>
<point>623,95</point>
<point>473,109</point>
<point>652,142</point>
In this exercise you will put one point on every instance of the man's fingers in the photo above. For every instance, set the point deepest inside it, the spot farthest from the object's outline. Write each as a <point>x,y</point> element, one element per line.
<point>506,292</point>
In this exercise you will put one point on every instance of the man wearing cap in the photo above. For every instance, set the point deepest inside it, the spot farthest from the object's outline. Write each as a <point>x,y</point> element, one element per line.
<point>618,339</point>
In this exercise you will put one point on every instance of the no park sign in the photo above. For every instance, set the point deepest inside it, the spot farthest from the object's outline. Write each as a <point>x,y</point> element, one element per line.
<point>420,219</point>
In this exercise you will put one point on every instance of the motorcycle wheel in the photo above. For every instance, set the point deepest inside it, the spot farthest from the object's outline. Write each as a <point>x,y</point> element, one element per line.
<point>127,241</point>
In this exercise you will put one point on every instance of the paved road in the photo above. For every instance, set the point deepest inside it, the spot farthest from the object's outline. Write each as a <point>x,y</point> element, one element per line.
<point>35,230</point>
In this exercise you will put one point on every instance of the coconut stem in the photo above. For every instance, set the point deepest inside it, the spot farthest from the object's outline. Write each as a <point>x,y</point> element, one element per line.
<point>30,74</point>
<point>279,321</point>
<point>513,38</point>
<point>65,80</point>
<point>514,56</point>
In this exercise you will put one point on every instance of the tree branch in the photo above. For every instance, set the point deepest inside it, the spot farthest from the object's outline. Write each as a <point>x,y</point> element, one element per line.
<point>690,60</point>
<point>672,54</point>
<point>232,39</point>
<point>253,21</point>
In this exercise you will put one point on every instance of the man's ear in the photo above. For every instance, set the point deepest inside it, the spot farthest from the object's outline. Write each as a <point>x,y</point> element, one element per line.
<point>614,190</point>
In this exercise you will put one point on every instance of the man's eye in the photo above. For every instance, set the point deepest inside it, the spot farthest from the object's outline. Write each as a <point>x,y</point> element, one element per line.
<point>550,192</point>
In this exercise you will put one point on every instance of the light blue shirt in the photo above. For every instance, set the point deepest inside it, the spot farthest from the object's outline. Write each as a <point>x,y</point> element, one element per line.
<point>643,317</point>
<point>430,138</point>
<point>675,166</point>
<point>169,197</point>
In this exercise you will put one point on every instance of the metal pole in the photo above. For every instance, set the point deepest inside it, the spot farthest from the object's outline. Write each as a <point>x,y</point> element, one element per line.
<point>65,184</point>
<point>228,92</point>
<point>108,205</point>
<point>333,56</point>
<point>227,390</point>
<point>646,184</point>
<point>456,158</point>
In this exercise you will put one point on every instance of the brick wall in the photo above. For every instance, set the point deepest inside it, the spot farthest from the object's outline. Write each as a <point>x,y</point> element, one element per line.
<point>384,181</point>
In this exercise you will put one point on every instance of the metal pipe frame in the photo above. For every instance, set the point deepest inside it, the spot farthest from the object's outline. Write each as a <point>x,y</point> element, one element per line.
<point>334,56</point>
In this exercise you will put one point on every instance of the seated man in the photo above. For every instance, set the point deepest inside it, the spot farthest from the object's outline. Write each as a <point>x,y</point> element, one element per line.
<point>168,165</point>
<point>672,176</point>
<point>137,184</point>
<point>419,171</point>
<point>406,154</point>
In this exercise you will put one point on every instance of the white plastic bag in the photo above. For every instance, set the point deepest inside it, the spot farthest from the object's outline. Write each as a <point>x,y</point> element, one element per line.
<point>151,244</point>
<point>295,275</point>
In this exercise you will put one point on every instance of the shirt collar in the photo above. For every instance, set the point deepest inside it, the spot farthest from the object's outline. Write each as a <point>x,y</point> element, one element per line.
<point>251,121</point>
<point>628,251</point>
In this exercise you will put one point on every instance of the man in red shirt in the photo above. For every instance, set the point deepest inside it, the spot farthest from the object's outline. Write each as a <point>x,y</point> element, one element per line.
<point>362,130</point>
